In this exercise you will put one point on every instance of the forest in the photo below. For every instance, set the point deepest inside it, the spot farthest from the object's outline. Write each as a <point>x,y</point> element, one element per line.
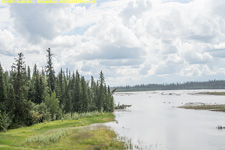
<point>28,98</point>
<point>214,84</point>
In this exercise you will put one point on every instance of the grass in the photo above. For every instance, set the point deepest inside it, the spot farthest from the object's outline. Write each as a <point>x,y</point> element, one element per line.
<point>63,134</point>
<point>217,107</point>
<point>212,93</point>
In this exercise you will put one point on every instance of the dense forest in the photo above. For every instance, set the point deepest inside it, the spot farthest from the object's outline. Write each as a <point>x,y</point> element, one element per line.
<point>27,98</point>
<point>215,84</point>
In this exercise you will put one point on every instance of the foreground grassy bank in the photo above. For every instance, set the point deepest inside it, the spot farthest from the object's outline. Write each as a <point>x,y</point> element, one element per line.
<point>220,108</point>
<point>63,134</point>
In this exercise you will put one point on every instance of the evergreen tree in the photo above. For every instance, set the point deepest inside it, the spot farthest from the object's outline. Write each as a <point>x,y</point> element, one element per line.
<point>28,73</point>
<point>77,105</point>
<point>3,94</point>
<point>33,86</point>
<point>101,92</point>
<point>61,86</point>
<point>93,91</point>
<point>67,97</point>
<point>35,71</point>
<point>22,107</point>
<point>11,102</point>
<point>39,89</point>
<point>105,99</point>
<point>50,71</point>
<point>111,100</point>
<point>84,96</point>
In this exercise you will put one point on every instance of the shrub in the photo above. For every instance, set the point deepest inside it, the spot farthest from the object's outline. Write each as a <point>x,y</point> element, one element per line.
<point>52,104</point>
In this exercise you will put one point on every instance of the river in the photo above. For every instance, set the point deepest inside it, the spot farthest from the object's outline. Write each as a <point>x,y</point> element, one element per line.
<point>154,122</point>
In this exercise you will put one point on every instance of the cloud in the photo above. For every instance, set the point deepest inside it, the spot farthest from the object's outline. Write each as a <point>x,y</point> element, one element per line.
<point>135,9</point>
<point>156,41</point>
<point>113,52</point>
<point>44,21</point>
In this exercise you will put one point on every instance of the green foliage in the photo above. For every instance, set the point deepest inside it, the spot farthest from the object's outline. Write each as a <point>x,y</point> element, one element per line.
<point>3,94</point>
<point>5,121</point>
<point>39,113</point>
<point>52,104</point>
<point>1,126</point>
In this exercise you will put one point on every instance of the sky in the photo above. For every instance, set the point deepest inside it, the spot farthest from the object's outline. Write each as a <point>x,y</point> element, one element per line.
<point>131,41</point>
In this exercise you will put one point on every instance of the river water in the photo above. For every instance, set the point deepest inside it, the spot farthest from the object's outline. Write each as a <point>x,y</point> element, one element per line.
<point>155,122</point>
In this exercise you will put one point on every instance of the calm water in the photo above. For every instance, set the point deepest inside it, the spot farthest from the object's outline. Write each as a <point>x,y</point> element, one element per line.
<point>155,122</point>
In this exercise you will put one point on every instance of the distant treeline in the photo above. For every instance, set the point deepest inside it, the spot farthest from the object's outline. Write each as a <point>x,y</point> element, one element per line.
<point>27,98</point>
<point>215,84</point>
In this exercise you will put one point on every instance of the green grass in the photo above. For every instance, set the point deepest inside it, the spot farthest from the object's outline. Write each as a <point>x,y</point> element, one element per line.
<point>220,108</point>
<point>67,134</point>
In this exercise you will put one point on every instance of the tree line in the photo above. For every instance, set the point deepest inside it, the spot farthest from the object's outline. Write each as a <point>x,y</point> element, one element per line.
<point>27,98</point>
<point>214,84</point>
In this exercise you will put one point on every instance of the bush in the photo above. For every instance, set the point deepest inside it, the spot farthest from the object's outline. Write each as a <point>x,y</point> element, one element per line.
<point>38,113</point>
<point>43,112</point>
<point>52,104</point>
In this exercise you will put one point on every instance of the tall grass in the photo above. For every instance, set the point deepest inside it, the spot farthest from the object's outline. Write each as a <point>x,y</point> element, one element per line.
<point>76,116</point>
<point>130,145</point>
<point>49,137</point>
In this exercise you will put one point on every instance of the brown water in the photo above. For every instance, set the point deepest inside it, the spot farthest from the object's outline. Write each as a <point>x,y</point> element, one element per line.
<point>155,122</point>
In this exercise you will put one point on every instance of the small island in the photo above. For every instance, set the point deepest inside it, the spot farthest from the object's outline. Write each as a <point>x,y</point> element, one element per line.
<point>203,106</point>
<point>212,93</point>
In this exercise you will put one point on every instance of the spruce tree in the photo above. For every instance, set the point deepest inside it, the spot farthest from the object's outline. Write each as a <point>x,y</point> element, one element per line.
<point>3,94</point>
<point>28,73</point>
<point>61,86</point>
<point>77,105</point>
<point>105,99</point>
<point>38,88</point>
<point>50,71</point>
<point>84,96</point>
<point>111,100</point>
<point>101,92</point>
<point>11,102</point>
<point>22,106</point>
<point>67,97</point>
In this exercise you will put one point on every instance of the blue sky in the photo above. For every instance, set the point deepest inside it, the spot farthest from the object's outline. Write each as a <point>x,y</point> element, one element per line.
<point>131,41</point>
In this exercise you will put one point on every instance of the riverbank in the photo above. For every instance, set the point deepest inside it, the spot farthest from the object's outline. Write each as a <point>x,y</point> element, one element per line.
<point>63,134</point>
<point>202,106</point>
